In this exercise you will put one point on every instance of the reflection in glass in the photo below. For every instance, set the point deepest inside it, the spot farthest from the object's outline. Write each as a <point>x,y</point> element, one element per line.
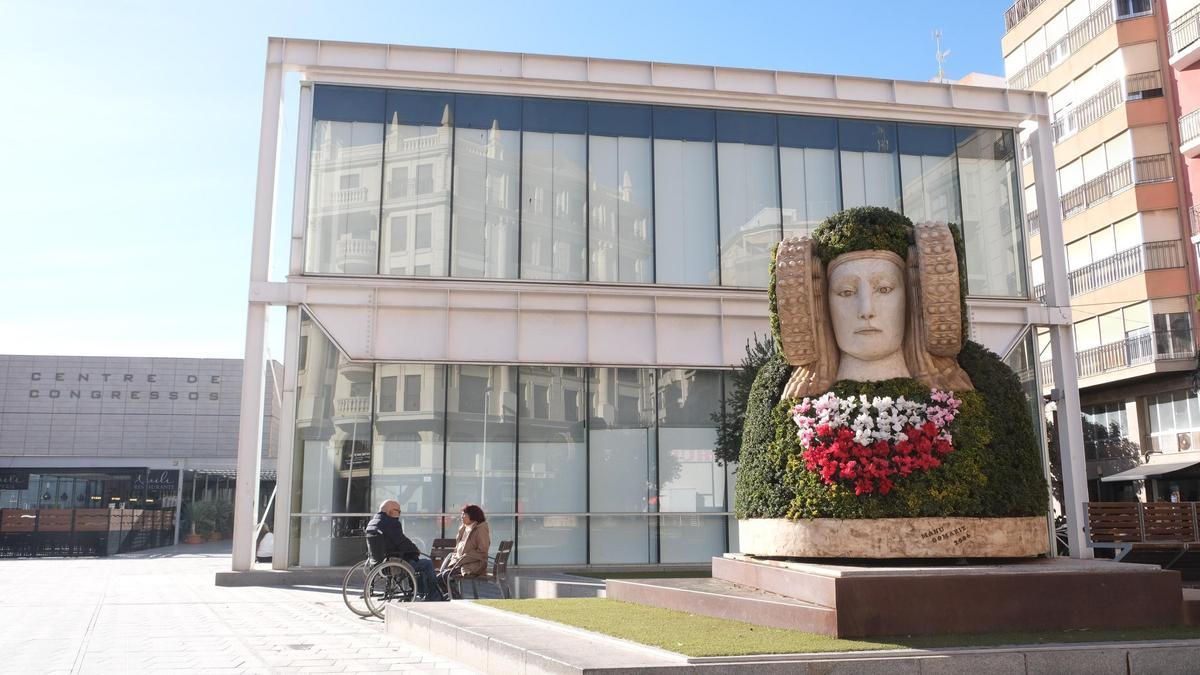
<point>808,172</point>
<point>332,463</point>
<point>345,160</point>
<point>409,424</point>
<point>620,194</point>
<point>622,464</point>
<point>748,195</point>
<point>929,173</point>
<point>552,465</point>
<point>685,197</point>
<point>991,228</point>
<point>554,190</point>
<point>868,162</point>
<point>416,188</point>
<point>481,425</point>
<point>689,480</point>
<point>487,161</point>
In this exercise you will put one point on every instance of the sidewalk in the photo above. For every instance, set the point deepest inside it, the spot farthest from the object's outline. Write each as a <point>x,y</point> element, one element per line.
<point>159,611</point>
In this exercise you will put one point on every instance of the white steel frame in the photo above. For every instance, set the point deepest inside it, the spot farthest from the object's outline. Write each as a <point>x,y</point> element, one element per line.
<point>391,304</point>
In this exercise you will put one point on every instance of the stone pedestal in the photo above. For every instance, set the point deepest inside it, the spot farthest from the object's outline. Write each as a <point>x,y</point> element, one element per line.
<point>863,600</point>
<point>894,538</point>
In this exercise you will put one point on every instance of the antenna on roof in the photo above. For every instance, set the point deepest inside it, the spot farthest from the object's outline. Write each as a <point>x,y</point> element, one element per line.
<point>940,55</point>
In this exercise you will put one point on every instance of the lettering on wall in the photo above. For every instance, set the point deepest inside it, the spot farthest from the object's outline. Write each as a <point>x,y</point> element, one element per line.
<point>140,387</point>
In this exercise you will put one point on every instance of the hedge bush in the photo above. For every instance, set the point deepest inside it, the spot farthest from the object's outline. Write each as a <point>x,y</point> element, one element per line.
<point>994,470</point>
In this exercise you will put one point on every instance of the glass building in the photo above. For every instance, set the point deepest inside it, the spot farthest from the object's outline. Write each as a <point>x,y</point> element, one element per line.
<point>522,281</point>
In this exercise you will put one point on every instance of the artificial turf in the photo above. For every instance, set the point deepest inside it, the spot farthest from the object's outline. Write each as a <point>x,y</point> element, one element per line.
<point>693,635</point>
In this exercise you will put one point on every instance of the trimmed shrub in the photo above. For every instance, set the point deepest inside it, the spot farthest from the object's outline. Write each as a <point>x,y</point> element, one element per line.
<point>862,228</point>
<point>993,471</point>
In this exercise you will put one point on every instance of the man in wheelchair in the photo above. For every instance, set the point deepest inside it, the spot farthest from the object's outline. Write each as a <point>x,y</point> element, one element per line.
<point>385,536</point>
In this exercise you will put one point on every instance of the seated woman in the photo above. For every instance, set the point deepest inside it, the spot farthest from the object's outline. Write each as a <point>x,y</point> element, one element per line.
<point>471,546</point>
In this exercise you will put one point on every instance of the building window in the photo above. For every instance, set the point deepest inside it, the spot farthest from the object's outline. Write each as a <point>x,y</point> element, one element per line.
<point>554,189</point>
<point>1105,430</point>
<point>412,392</point>
<point>424,179</point>
<point>685,197</point>
<point>349,181</point>
<point>869,164</point>
<point>1127,9</point>
<point>424,233</point>
<point>487,165</point>
<point>398,185</point>
<point>399,235</point>
<point>808,172</point>
<point>748,194</point>
<point>1174,419</point>
<point>620,194</point>
<point>387,394</point>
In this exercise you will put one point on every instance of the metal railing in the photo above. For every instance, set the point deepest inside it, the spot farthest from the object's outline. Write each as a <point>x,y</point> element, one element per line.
<point>1143,85</point>
<point>1088,112</point>
<point>1095,24</point>
<point>1189,127</point>
<point>1185,30</point>
<point>1019,10</point>
<point>1139,170</point>
<point>1133,351</point>
<point>1033,222</point>
<point>1153,255</point>
<point>1039,292</point>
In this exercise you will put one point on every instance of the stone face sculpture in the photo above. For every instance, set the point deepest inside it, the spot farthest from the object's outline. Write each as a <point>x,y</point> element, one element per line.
<point>870,314</point>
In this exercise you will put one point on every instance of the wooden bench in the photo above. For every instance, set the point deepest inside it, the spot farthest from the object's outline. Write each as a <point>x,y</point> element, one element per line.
<point>1169,528</point>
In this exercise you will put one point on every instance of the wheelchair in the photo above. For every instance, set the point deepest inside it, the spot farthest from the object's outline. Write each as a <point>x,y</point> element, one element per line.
<point>369,585</point>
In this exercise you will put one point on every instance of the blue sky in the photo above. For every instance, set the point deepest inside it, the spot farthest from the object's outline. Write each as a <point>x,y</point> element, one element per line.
<point>129,129</point>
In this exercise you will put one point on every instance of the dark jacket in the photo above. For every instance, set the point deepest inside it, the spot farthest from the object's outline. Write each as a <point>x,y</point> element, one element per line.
<point>393,533</point>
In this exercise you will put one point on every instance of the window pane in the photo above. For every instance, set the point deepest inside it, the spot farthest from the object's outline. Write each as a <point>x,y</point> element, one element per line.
<point>991,226</point>
<point>621,229</point>
<point>624,539</point>
<point>345,162</point>
<point>552,466</point>
<point>332,462</point>
<point>808,172</point>
<point>481,422</point>
<point>748,196</point>
<point>929,173</point>
<point>417,188</point>
<point>621,436</point>
<point>553,188</point>
<point>689,480</point>
<point>868,163</point>
<point>409,442</point>
<point>691,538</point>
<point>685,197</point>
<point>487,159</point>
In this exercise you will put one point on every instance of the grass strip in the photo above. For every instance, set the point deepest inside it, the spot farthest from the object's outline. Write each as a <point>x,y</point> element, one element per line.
<point>664,574</point>
<point>694,635</point>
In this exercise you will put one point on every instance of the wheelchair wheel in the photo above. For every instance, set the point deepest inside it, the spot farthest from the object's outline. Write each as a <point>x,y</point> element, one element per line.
<point>389,581</point>
<point>352,589</point>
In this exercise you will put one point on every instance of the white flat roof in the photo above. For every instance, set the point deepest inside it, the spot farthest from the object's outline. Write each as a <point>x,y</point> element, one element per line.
<point>652,82</point>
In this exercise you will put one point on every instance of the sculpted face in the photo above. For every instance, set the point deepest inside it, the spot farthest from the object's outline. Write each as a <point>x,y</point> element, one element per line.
<point>866,304</point>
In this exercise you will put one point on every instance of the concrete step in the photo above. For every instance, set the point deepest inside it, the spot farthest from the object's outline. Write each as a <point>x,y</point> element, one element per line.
<point>726,600</point>
<point>1191,606</point>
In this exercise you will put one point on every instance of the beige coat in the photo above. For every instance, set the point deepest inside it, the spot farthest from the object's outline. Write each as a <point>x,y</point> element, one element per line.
<point>471,549</point>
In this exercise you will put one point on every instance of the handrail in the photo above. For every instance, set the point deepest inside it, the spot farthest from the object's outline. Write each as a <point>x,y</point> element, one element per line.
<point>1134,351</point>
<point>1087,30</point>
<point>1189,127</point>
<point>1185,30</point>
<point>1152,255</point>
<point>1139,170</point>
<point>1088,112</point>
<point>1018,11</point>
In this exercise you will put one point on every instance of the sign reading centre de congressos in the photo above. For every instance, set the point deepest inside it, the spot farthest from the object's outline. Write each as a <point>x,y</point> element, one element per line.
<point>126,386</point>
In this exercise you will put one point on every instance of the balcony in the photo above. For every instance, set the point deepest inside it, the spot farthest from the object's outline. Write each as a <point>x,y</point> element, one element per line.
<point>1189,134</point>
<point>1139,350</point>
<point>1153,255</point>
<point>1095,24</point>
<point>1088,112</point>
<point>1033,222</point>
<point>1139,170</point>
<point>352,407</point>
<point>1185,39</point>
<point>356,250</point>
<point>1019,10</point>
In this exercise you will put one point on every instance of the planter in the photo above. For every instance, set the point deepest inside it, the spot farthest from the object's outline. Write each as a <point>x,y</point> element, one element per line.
<point>888,538</point>
<point>193,539</point>
<point>215,536</point>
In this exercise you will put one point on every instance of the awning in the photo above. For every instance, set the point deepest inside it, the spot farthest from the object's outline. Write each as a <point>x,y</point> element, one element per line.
<point>1157,466</point>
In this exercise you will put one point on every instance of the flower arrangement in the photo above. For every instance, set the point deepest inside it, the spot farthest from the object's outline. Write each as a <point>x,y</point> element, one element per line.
<point>870,443</point>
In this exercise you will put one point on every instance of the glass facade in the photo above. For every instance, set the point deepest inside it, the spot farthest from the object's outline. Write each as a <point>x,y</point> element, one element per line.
<point>418,183</point>
<point>576,465</point>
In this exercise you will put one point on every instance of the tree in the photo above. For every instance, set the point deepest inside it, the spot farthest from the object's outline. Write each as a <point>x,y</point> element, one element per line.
<point>731,418</point>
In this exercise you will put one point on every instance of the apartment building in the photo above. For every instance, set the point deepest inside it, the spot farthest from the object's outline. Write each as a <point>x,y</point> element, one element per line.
<point>1110,68</point>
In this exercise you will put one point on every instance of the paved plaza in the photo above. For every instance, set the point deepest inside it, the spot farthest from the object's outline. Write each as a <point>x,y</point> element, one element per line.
<point>159,611</point>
